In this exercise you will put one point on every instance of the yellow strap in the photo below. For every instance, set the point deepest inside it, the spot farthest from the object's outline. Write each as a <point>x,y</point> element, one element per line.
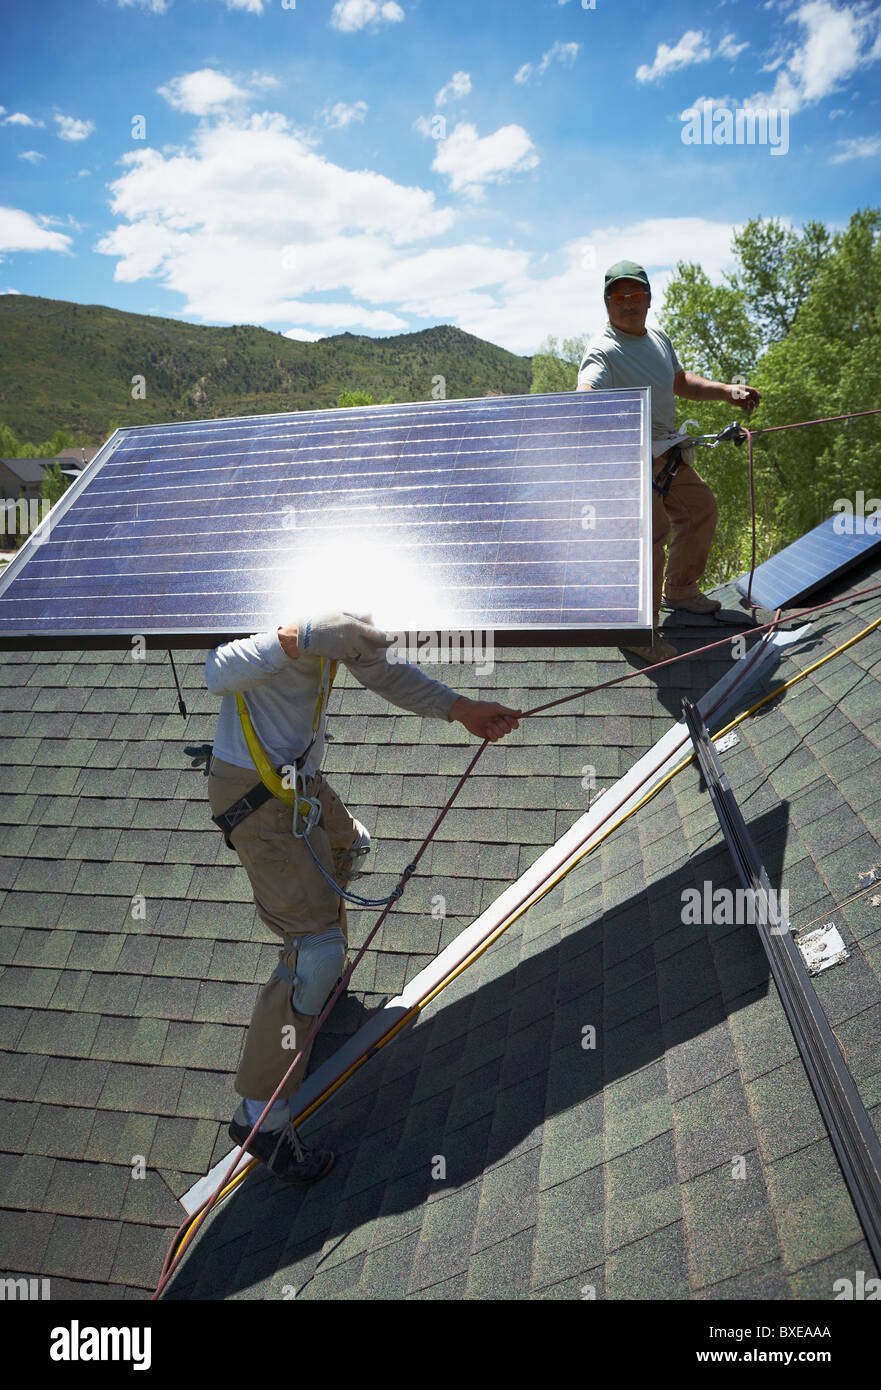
<point>271,779</point>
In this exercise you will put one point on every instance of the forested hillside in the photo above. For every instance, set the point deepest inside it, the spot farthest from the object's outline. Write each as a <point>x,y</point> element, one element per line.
<point>70,367</point>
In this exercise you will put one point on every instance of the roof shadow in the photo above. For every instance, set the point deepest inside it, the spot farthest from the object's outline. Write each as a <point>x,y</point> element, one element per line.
<point>672,682</point>
<point>474,1082</point>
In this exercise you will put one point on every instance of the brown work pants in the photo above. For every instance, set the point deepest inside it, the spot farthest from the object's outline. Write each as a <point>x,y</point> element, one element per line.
<point>293,900</point>
<point>687,515</point>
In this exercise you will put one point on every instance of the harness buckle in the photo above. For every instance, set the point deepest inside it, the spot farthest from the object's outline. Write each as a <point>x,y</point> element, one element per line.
<point>302,827</point>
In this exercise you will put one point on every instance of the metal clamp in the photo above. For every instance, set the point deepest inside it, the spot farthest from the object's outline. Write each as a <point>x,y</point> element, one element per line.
<point>301,827</point>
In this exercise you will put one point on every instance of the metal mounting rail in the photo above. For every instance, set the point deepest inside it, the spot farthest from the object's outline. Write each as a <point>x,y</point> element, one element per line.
<point>853,1136</point>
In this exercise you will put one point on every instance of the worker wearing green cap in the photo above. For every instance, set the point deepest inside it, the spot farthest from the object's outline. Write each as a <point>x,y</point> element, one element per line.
<point>626,353</point>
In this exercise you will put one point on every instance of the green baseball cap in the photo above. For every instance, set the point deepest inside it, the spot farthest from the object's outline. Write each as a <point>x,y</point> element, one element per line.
<point>625,270</point>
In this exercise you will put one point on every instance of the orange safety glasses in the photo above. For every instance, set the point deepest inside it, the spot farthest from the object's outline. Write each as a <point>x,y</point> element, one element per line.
<point>637,296</point>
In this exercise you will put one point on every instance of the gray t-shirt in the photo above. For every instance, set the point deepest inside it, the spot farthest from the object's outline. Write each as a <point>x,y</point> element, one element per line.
<point>614,360</point>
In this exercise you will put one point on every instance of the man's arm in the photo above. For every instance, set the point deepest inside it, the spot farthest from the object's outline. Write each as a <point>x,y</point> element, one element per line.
<point>411,688</point>
<point>692,387</point>
<point>247,662</point>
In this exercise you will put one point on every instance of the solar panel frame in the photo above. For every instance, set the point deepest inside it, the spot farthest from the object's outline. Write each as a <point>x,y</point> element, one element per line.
<point>504,632</point>
<point>805,565</point>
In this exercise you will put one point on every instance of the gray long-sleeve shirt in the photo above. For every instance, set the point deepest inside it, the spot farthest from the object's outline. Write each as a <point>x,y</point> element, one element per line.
<point>281,694</point>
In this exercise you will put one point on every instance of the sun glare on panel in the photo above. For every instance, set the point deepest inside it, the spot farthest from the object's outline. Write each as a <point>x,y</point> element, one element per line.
<point>353,575</point>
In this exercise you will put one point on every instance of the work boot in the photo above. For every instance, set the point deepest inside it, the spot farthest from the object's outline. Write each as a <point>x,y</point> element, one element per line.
<point>660,650</point>
<point>698,603</point>
<point>283,1153</point>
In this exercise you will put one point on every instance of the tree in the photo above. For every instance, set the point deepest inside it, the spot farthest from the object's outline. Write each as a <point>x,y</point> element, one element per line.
<point>777,269</point>
<point>53,484</point>
<point>556,368</point>
<point>355,398</point>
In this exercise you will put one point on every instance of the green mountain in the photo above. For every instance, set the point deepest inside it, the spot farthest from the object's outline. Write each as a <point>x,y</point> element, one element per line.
<point>70,366</point>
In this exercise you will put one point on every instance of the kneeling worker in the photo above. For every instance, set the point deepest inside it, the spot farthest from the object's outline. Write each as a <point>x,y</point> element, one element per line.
<point>287,674</point>
<point>626,353</point>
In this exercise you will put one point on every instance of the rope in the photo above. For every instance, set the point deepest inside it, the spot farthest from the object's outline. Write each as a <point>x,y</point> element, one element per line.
<point>190,1227</point>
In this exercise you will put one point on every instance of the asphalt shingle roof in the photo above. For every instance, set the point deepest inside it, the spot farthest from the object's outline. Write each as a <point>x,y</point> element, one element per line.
<point>485,1152</point>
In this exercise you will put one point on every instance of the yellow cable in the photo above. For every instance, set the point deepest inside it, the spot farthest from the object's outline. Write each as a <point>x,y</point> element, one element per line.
<point>536,897</point>
<point>268,775</point>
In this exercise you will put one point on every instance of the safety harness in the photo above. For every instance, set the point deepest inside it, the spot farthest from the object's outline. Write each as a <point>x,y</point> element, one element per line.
<point>677,453</point>
<point>665,475</point>
<point>307,809</point>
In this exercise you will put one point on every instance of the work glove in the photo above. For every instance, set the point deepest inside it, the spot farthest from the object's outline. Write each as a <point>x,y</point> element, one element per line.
<point>342,637</point>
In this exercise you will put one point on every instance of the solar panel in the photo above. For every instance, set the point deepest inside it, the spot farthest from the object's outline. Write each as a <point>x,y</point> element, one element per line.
<point>814,559</point>
<point>527,515</point>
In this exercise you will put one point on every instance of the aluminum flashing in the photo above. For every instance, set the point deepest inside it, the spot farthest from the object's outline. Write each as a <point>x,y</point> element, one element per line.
<point>529,516</point>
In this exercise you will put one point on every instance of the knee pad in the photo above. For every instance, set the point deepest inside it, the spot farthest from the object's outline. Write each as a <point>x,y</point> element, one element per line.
<point>319,966</point>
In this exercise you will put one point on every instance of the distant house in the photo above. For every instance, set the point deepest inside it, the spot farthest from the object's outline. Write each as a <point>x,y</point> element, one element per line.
<point>75,459</point>
<point>23,477</point>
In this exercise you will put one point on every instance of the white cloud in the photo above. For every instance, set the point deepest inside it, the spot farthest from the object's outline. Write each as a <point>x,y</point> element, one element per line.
<point>693,47</point>
<point>839,111</point>
<point>32,156</point>
<point>863,147</point>
<point>834,45</point>
<point>201,93</point>
<point>83,173</point>
<point>558,52</point>
<point>729,49</point>
<point>352,15</point>
<point>19,231</point>
<point>526,308</point>
<point>459,85</point>
<point>264,81</point>
<point>469,161</point>
<point>10,291</point>
<point>302,335</point>
<point>250,224</point>
<point>340,115</point>
<point>151,6</point>
<point>69,128</point>
<point>250,219</point>
<point>252,6</point>
<point>19,118</point>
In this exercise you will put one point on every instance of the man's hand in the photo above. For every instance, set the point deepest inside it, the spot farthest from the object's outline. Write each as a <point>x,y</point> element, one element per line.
<point>484,718</point>
<point>339,636</point>
<point>747,397</point>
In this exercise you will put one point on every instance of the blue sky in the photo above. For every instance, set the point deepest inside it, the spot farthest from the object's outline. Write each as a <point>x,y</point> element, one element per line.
<point>380,166</point>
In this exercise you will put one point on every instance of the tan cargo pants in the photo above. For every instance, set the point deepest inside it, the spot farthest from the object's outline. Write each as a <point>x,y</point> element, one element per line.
<point>293,900</point>
<point>690,512</point>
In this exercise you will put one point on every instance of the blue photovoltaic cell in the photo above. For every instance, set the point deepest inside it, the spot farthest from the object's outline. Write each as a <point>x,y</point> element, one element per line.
<point>516,513</point>
<point>812,560</point>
